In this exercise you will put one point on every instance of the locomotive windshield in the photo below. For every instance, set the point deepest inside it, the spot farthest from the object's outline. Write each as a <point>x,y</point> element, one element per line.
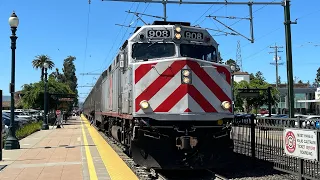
<point>207,53</point>
<point>147,51</point>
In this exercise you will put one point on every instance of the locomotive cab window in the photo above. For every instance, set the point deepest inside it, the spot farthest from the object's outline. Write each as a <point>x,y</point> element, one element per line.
<point>146,51</point>
<point>202,52</point>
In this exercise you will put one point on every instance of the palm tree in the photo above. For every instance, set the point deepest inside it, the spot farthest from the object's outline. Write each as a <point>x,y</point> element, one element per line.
<point>38,62</point>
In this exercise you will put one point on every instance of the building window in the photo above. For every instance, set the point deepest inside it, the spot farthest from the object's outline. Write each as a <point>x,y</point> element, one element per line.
<point>300,96</point>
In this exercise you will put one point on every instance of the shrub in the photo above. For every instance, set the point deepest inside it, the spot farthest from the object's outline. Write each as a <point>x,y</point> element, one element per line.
<point>28,129</point>
<point>25,131</point>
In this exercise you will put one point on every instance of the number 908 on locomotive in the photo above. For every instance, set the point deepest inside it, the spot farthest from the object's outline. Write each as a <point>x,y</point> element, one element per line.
<point>176,33</point>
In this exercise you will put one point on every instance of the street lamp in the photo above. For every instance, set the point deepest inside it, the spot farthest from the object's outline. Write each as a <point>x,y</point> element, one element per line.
<point>45,125</point>
<point>12,141</point>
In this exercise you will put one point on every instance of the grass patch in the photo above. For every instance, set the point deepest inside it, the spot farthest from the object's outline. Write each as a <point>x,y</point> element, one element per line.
<point>28,129</point>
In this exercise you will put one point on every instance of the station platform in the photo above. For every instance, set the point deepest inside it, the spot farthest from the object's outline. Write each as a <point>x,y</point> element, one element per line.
<point>75,151</point>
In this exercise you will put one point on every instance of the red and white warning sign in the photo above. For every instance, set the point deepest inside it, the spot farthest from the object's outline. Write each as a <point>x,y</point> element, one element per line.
<point>58,112</point>
<point>290,141</point>
<point>302,143</point>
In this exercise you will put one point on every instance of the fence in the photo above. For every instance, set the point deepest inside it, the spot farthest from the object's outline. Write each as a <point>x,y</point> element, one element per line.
<point>262,138</point>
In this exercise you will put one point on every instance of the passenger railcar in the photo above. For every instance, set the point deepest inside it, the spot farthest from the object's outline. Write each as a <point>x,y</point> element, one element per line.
<point>166,98</point>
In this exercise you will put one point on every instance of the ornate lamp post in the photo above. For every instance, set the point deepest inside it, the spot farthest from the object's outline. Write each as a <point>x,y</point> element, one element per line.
<point>12,141</point>
<point>45,125</point>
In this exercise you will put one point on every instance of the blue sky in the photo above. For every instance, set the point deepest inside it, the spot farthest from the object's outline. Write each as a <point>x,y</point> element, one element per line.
<point>60,28</point>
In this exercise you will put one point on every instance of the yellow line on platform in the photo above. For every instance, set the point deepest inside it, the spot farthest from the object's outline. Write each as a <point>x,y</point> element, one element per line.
<point>91,168</point>
<point>116,167</point>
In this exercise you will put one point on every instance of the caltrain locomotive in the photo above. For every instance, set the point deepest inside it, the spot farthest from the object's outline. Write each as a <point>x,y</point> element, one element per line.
<point>166,98</point>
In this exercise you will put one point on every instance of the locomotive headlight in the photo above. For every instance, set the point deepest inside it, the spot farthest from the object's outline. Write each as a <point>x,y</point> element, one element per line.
<point>178,36</point>
<point>178,29</point>
<point>186,80</point>
<point>186,72</point>
<point>144,104</point>
<point>225,105</point>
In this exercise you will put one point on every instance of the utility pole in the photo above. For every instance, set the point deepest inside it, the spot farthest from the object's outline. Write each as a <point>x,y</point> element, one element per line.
<point>276,63</point>
<point>287,24</point>
<point>238,57</point>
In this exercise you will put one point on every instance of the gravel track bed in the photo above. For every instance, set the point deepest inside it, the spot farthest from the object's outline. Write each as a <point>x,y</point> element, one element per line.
<point>241,167</point>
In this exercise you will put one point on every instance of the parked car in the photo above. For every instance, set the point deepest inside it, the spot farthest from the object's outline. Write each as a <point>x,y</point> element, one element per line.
<point>6,121</point>
<point>313,117</point>
<point>21,121</point>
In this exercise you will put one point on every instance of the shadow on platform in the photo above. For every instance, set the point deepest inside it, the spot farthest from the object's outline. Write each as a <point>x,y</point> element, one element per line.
<point>60,146</point>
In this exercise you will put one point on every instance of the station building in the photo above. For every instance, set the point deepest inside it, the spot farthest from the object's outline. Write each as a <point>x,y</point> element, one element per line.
<point>305,101</point>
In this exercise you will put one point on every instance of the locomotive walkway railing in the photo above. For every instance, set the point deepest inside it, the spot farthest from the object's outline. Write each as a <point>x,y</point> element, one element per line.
<point>291,144</point>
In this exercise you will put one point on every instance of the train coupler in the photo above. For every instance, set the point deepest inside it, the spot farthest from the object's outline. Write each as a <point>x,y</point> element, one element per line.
<point>186,142</point>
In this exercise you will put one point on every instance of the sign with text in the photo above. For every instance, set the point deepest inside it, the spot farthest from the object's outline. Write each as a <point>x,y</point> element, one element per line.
<point>302,143</point>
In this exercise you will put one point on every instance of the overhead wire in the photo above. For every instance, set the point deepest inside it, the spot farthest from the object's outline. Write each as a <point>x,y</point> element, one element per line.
<point>248,15</point>
<point>203,14</point>
<point>114,42</point>
<point>142,13</point>
<point>211,14</point>
<point>86,39</point>
<point>124,35</point>
<point>265,35</point>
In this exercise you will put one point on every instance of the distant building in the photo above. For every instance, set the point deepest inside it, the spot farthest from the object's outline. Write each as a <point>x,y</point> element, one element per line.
<point>6,102</point>
<point>316,100</point>
<point>303,94</point>
<point>241,76</point>
<point>7,99</point>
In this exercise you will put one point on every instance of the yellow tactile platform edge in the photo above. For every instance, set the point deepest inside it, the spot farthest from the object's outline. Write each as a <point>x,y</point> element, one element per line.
<point>116,167</point>
<point>91,168</point>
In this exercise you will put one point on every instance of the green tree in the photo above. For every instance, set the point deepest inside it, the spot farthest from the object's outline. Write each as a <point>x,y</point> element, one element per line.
<point>317,79</point>
<point>300,82</point>
<point>69,76</point>
<point>256,82</point>
<point>231,62</point>
<point>38,62</point>
<point>34,93</point>
<point>57,75</point>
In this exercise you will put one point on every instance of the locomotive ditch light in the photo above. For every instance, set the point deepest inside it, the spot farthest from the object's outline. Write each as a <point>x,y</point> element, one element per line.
<point>144,104</point>
<point>225,105</point>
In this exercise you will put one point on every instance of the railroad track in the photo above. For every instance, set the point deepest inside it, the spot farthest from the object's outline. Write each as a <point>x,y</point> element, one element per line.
<point>189,175</point>
<point>152,174</point>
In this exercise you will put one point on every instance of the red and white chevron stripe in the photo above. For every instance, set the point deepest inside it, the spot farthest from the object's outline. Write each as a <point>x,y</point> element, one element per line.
<point>160,84</point>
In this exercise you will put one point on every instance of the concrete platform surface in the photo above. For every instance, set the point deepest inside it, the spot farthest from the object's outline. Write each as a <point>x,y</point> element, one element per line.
<point>74,152</point>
